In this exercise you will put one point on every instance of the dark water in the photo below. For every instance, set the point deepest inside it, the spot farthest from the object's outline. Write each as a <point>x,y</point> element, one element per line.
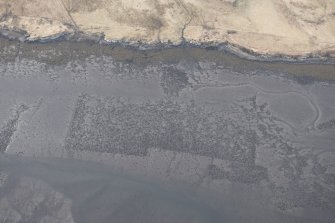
<point>90,133</point>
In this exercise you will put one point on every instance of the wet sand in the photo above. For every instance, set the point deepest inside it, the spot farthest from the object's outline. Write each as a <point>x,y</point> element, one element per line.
<point>60,52</point>
<point>183,134</point>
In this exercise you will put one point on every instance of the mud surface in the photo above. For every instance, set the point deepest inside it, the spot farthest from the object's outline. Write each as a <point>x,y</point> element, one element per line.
<point>184,135</point>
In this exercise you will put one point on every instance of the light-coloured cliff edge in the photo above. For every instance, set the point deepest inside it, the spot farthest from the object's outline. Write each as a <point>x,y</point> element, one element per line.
<point>289,27</point>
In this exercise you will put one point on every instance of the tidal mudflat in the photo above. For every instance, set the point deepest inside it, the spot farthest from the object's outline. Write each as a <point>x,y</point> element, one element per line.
<point>92,133</point>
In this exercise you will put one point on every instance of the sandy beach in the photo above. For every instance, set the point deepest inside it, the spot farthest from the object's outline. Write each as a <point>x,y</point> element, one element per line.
<point>286,27</point>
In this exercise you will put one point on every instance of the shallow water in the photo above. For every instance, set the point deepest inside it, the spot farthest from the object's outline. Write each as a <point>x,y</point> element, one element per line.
<point>182,135</point>
<point>95,193</point>
<point>98,194</point>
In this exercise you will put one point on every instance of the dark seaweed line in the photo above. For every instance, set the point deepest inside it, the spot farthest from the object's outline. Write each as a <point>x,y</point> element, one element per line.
<point>239,51</point>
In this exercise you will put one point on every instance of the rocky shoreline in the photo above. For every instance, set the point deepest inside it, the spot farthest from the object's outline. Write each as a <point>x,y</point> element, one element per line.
<point>239,51</point>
